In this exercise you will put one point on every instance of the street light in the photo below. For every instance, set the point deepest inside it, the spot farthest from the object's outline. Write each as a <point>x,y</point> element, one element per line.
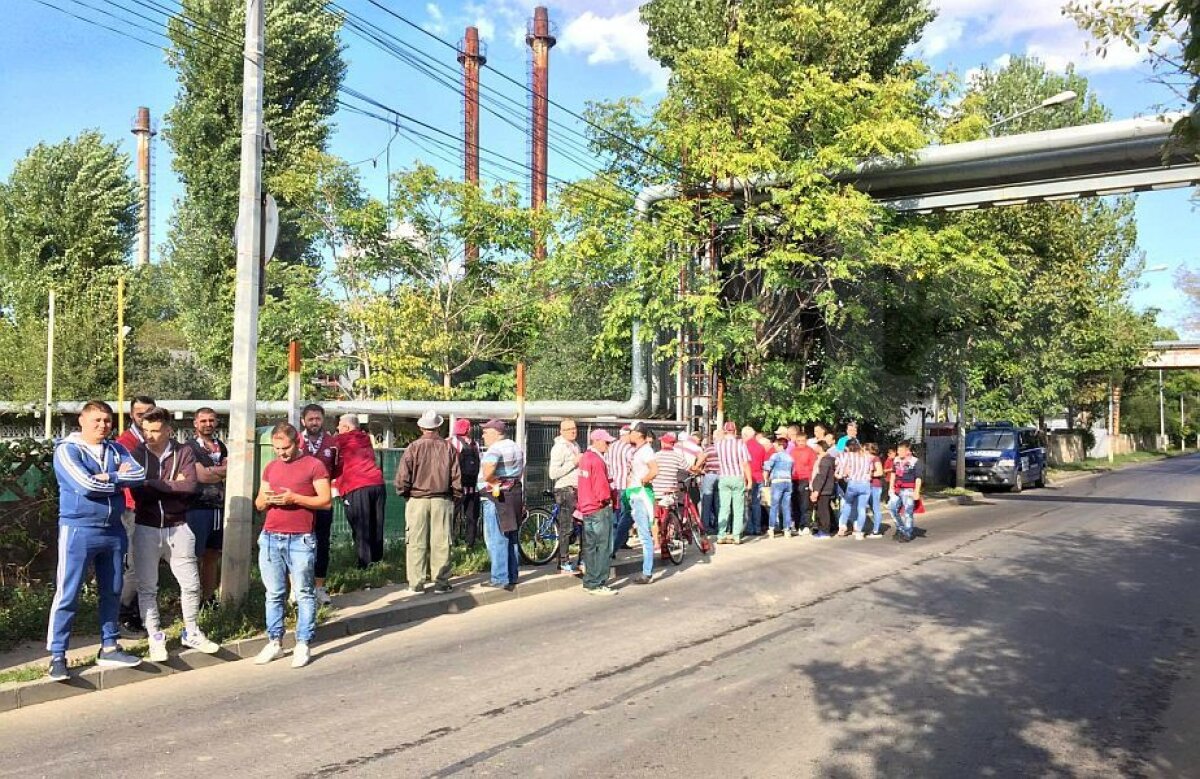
<point>1062,98</point>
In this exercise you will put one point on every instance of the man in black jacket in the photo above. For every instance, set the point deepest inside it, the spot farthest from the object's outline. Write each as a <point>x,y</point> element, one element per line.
<point>821,489</point>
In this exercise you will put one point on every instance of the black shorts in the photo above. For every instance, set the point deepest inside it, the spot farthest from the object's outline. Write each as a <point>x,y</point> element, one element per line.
<point>208,526</point>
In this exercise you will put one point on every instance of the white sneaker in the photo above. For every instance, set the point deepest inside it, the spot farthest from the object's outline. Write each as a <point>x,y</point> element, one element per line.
<point>199,642</point>
<point>323,596</point>
<point>272,650</point>
<point>301,655</point>
<point>158,647</point>
<point>805,531</point>
<point>858,536</point>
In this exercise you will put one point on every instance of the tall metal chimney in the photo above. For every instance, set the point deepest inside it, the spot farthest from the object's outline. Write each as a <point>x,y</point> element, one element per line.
<point>472,60</point>
<point>143,131</point>
<point>540,41</point>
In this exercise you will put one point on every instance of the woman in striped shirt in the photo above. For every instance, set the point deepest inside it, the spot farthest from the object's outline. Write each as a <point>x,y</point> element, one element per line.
<point>855,466</point>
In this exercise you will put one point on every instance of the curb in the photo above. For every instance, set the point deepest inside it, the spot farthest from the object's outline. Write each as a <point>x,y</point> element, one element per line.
<point>94,679</point>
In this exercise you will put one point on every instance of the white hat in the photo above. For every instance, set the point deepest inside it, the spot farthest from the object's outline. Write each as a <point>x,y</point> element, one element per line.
<point>430,420</point>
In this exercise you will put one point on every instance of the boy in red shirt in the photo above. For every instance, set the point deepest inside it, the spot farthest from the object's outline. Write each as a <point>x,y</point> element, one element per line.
<point>294,487</point>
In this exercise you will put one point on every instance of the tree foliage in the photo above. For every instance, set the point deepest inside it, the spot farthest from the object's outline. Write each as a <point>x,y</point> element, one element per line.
<point>304,69</point>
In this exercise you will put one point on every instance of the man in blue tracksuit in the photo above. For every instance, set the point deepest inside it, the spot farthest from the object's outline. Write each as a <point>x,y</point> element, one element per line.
<point>91,472</point>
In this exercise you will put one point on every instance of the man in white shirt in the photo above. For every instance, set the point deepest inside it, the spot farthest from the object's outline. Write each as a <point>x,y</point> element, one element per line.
<point>640,495</point>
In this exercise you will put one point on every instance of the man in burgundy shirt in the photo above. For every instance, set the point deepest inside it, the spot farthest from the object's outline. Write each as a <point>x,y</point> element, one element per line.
<point>804,459</point>
<point>359,480</point>
<point>758,456</point>
<point>315,441</point>
<point>132,438</point>
<point>293,487</point>
<point>595,505</point>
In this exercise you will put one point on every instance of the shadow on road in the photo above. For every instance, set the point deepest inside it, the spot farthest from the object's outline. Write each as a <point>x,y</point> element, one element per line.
<point>1056,660</point>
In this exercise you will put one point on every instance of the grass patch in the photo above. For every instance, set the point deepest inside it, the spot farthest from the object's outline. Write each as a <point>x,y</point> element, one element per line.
<point>1102,463</point>
<point>954,492</point>
<point>27,673</point>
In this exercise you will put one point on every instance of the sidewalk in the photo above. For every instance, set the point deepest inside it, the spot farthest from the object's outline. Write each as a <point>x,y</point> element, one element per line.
<point>355,613</point>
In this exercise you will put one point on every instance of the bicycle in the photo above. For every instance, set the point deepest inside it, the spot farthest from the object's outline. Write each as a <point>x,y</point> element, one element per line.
<point>537,537</point>
<point>687,518</point>
<point>670,533</point>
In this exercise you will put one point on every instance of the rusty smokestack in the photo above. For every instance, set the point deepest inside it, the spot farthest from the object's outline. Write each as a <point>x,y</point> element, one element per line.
<point>540,41</point>
<point>472,60</point>
<point>144,132</point>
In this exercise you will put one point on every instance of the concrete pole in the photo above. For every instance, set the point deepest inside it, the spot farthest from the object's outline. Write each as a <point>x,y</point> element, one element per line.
<point>120,354</point>
<point>1162,415</point>
<point>960,451</point>
<point>1112,419</point>
<point>1182,435</point>
<point>239,484</point>
<point>520,432</point>
<point>540,41</point>
<point>141,128</point>
<point>472,60</point>
<point>293,386</point>
<point>49,369</point>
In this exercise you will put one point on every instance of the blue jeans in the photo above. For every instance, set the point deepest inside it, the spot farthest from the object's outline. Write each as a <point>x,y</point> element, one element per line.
<point>855,499</point>
<point>78,548</point>
<point>903,516</point>
<point>642,509</point>
<point>876,509</point>
<point>501,546</point>
<point>622,521</point>
<point>754,518</point>
<point>281,554</point>
<point>709,501</point>
<point>781,502</point>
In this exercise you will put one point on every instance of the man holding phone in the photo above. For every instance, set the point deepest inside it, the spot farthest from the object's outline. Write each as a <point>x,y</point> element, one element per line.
<point>294,487</point>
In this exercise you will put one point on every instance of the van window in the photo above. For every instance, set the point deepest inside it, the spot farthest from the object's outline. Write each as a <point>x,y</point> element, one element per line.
<point>990,439</point>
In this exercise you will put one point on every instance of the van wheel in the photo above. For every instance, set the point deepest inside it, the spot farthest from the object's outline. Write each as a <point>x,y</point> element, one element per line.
<point>1016,487</point>
<point>1041,480</point>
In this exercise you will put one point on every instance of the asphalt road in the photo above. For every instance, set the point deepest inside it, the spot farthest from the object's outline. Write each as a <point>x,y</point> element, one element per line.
<point>1048,634</point>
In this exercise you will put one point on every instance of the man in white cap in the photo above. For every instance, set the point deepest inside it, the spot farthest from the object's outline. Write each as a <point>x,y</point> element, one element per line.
<point>429,480</point>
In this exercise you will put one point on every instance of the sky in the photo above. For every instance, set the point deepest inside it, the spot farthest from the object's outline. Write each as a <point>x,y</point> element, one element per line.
<point>60,75</point>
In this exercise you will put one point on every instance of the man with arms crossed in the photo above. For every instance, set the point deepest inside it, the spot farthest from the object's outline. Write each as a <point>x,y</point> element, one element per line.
<point>131,438</point>
<point>91,470</point>
<point>293,487</point>
<point>429,480</point>
<point>323,446</point>
<point>162,533</point>
<point>564,470</point>
<point>206,515</point>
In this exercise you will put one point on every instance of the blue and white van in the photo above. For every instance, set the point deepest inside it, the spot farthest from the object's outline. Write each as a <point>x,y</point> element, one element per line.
<point>1000,454</point>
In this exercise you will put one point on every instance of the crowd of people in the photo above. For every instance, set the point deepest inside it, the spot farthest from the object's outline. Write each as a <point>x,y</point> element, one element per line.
<point>128,504</point>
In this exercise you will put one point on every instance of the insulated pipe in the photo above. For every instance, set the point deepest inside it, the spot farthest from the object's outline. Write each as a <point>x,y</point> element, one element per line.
<point>636,406</point>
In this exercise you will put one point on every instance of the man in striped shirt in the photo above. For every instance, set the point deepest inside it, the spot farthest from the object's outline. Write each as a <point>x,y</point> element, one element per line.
<point>618,459</point>
<point>734,480</point>
<point>855,466</point>
<point>672,465</point>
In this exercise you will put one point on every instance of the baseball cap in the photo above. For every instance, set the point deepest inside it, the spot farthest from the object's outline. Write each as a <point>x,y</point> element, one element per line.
<point>668,438</point>
<point>600,434</point>
<point>639,427</point>
<point>781,432</point>
<point>730,427</point>
<point>495,424</point>
<point>462,426</point>
<point>625,429</point>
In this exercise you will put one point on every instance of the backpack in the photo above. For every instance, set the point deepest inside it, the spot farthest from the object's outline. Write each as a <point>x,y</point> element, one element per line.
<point>469,463</point>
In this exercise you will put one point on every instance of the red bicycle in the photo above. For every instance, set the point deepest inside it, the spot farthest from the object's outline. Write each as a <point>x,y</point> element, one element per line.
<point>684,521</point>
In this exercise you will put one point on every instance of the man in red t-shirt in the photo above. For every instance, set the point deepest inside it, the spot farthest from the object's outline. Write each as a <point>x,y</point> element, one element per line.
<point>804,459</point>
<point>758,456</point>
<point>294,487</point>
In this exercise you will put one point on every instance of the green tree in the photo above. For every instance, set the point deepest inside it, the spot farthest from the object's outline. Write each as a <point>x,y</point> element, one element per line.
<point>789,295</point>
<point>68,214</point>
<point>1055,342</point>
<point>303,71</point>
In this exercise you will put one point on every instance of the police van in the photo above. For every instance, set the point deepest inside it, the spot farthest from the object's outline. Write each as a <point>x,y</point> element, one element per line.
<point>1000,454</point>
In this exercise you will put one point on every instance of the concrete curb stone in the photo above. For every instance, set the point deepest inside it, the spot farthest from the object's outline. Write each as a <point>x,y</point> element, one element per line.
<point>459,601</point>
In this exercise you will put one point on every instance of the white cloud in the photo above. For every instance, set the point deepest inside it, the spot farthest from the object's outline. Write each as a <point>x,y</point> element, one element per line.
<point>1034,27</point>
<point>437,22</point>
<point>614,39</point>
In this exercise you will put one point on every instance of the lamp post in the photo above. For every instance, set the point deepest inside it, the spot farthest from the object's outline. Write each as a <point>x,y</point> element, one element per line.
<point>1062,98</point>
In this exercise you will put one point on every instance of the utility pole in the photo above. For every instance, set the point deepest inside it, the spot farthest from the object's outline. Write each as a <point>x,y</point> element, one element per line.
<point>49,369</point>
<point>540,41</point>
<point>120,354</point>
<point>293,383</point>
<point>960,451</point>
<point>472,60</point>
<point>1162,414</point>
<point>243,398</point>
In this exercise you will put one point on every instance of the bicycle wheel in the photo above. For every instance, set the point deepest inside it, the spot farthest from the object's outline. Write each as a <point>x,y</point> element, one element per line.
<point>696,530</point>
<point>537,538</point>
<point>673,542</point>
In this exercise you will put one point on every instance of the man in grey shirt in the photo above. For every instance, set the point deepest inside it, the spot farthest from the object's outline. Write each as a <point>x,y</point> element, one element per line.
<point>564,470</point>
